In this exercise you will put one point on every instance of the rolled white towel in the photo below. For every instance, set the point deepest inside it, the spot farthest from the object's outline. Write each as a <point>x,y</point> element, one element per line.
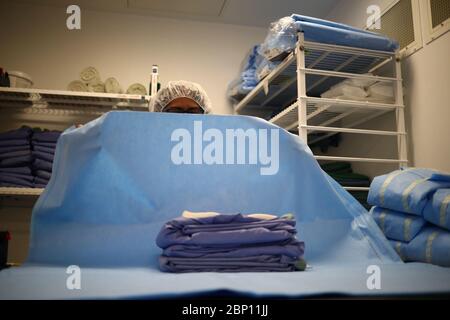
<point>77,85</point>
<point>137,88</point>
<point>96,86</point>
<point>112,86</point>
<point>90,74</point>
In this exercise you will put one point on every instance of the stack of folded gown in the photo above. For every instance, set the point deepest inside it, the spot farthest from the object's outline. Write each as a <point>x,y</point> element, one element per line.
<point>412,209</point>
<point>15,158</point>
<point>43,144</point>
<point>212,242</point>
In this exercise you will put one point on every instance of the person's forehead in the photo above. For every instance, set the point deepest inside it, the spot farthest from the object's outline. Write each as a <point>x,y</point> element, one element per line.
<point>183,102</point>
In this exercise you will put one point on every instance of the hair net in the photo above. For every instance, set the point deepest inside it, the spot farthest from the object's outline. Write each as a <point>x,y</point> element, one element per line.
<point>180,89</point>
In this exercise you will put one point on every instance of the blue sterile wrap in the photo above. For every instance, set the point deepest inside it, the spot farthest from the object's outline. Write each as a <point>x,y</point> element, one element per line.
<point>406,190</point>
<point>437,211</point>
<point>114,188</point>
<point>397,225</point>
<point>431,245</point>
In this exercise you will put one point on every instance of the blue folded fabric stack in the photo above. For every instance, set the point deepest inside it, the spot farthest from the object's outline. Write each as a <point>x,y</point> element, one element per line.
<point>230,243</point>
<point>15,158</point>
<point>248,78</point>
<point>412,209</point>
<point>43,145</point>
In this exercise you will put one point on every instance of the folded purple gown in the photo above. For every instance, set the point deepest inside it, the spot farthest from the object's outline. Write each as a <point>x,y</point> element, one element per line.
<point>43,174</point>
<point>49,150</point>
<point>230,243</point>
<point>7,149</point>
<point>46,136</point>
<point>43,156</point>
<point>39,164</point>
<point>19,170</point>
<point>22,133</point>
<point>51,145</point>
<point>14,154</point>
<point>16,161</point>
<point>17,142</point>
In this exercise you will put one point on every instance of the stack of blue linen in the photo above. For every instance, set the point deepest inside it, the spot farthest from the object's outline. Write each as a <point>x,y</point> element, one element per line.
<point>43,144</point>
<point>15,158</point>
<point>212,242</point>
<point>412,209</point>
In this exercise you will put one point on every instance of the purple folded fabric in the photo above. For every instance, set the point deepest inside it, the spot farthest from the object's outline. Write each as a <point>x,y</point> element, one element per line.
<point>15,148</point>
<point>39,164</point>
<point>293,249</point>
<point>46,136</point>
<point>43,156</point>
<point>22,133</point>
<point>14,154</point>
<point>44,149</point>
<point>16,181</point>
<point>38,185</point>
<point>19,170</point>
<point>26,177</point>
<point>43,144</point>
<point>17,161</point>
<point>261,263</point>
<point>40,181</point>
<point>230,243</point>
<point>43,174</point>
<point>18,142</point>
<point>226,230</point>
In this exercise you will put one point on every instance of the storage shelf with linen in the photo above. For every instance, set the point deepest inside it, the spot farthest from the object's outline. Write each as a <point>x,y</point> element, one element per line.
<point>326,83</point>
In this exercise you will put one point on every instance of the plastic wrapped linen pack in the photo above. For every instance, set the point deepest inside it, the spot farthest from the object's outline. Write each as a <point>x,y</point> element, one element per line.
<point>265,67</point>
<point>282,37</point>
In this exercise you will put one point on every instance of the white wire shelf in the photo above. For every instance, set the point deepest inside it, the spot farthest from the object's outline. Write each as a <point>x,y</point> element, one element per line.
<point>356,159</point>
<point>357,188</point>
<point>324,65</point>
<point>323,112</point>
<point>40,100</point>
<point>4,191</point>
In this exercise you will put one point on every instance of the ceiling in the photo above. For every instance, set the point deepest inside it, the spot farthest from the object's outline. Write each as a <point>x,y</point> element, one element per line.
<point>257,13</point>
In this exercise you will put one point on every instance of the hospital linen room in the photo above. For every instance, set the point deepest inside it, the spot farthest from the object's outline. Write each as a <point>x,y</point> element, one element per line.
<point>169,149</point>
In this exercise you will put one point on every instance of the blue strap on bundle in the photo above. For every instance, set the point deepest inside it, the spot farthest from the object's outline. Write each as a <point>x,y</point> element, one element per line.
<point>430,246</point>
<point>229,243</point>
<point>397,225</point>
<point>406,190</point>
<point>437,211</point>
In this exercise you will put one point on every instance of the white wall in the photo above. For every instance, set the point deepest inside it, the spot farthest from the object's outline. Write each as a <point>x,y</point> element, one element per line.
<point>426,76</point>
<point>34,39</point>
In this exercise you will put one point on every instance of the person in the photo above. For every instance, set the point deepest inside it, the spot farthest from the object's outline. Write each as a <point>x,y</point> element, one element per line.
<point>181,97</point>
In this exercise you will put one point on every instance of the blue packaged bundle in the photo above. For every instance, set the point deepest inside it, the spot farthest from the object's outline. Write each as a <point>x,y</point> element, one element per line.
<point>397,225</point>
<point>406,190</point>
<point>437,210</point>
<point>400,248</point>
<point>430,246</point>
